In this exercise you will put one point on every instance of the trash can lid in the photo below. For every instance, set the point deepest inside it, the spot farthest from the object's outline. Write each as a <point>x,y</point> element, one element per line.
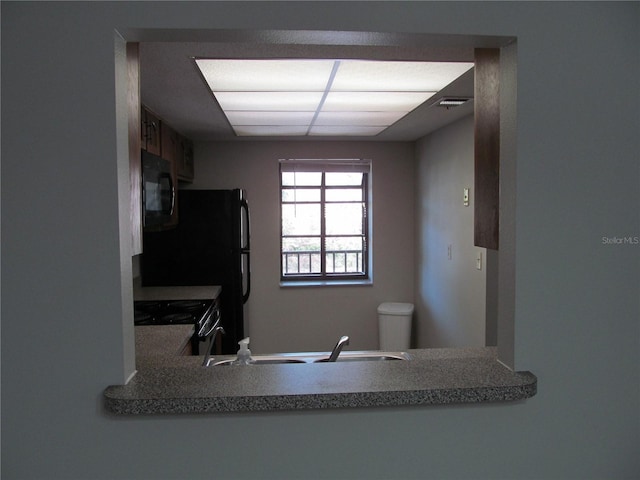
<point>395,308</point>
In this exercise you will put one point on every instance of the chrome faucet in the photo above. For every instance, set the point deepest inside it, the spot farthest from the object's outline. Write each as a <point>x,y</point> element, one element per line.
<point>344,340</point>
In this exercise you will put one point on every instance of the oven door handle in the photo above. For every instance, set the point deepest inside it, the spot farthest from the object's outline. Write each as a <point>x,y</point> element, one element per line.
<point>210,324</point>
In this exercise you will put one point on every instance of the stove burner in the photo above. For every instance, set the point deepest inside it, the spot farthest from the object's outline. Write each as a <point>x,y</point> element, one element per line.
<point>178,318</point>
<point>148,305</point>
<point>141,318</point>
<point>186,304</point>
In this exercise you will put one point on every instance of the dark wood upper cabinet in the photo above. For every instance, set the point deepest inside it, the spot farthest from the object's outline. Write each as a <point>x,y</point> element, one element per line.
<point>150,132</point>
<point>186,171</point>
<point>487,148</point>
<point>169,143</point>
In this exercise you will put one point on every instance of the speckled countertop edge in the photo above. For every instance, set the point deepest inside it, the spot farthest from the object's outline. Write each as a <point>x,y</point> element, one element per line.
<point>175,385</point>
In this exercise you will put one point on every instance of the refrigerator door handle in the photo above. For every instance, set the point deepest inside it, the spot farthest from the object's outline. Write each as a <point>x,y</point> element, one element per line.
<point>245,294</point>
<point>244,206</point>
<point>246,248</point>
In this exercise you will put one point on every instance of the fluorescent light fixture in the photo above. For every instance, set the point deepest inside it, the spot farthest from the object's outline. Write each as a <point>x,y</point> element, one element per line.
<point>367,119</point>
<point>270,130</point>
<point>268,101</point>
<point>266,75</point>
<point>389,76</point>
<point>322,97</point>
<point>348,130</point>
<point>374,101</point>
<point>269,118</point>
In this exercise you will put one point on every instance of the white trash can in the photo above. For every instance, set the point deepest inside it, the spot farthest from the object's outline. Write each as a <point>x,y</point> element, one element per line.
<point>394,325</point>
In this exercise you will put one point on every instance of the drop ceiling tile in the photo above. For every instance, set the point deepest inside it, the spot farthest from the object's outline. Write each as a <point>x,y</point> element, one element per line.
<point>266,75</point>
<point>269,130</point>
<point>371,119</point>
<point>321,130</point>
<point>388,76</point>
<point>374,101</point>
<point>269,118</point>
<point>269,101</point>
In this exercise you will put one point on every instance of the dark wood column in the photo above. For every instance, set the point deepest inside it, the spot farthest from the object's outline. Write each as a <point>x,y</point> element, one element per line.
<point>487,147</point>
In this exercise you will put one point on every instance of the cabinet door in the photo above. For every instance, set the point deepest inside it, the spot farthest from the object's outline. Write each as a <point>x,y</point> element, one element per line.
<point>150,132</point>
<point>169,143</point>
<point>185,160</point>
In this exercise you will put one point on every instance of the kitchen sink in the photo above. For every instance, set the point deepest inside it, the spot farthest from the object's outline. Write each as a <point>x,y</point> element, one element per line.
<point>261,360</point>
<point>317,357</point>
<point>368,357</point>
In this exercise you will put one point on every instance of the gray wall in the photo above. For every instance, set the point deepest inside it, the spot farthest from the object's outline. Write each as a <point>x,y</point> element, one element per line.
<point>450,293</point>
<point>305,318</point>
<point>576,298</point>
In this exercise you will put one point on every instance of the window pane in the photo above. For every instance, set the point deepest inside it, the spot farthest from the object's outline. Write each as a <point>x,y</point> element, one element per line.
<point>344,255</point>
<point>344,262</point>
<point>301,244</point>
<point>302,178</point>
<point>344,194</point>
<point>342,178</point>
<point>341,244</point>
<point>301,255</point>
<point>301,219</point>
<point>343,218</point>
<point>300,194</point>
<point>301,263</point>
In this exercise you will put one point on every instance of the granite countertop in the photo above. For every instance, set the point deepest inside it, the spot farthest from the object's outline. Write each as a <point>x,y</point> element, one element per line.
<point>162,340</point>
<point>170,385</point>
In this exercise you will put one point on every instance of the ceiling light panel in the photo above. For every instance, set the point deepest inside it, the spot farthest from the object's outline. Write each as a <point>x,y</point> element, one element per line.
<point>270,130</point>
<point>322,130</point>
<point>270,118</point>
<point>374,76</point>
<point>269,101</point>
<point>374,101</point>
<point>322,97</point>
<point>266,75</point>
<point>367,119</point>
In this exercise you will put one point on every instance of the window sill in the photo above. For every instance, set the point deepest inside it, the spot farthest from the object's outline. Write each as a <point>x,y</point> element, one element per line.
<point>325,283</point>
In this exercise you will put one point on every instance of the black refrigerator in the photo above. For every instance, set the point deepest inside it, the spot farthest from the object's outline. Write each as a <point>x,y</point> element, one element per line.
<point>209,246</point>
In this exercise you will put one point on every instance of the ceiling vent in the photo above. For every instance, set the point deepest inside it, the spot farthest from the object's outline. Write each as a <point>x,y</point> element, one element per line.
<point>451,102</point>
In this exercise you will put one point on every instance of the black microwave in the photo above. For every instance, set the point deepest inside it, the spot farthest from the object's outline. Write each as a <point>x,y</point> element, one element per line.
<point>158,190</point>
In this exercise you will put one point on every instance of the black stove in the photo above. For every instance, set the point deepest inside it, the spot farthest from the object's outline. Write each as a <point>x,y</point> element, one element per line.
<point>202,314</point>
<point>170,312</point>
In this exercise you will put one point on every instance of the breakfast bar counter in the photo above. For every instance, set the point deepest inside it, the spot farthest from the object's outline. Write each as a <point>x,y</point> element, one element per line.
<point>179,384</point>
